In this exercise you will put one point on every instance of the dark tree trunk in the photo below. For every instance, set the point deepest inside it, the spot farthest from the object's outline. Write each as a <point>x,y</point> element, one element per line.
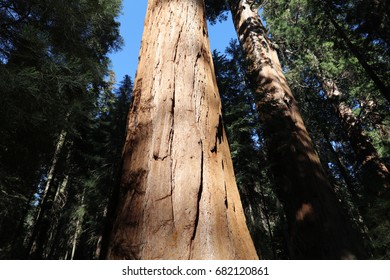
<point>34,247</point>
<point>376,177</point>
<point>318,226</point>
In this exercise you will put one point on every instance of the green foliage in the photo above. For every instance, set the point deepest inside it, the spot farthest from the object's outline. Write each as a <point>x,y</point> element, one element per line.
<point>380,239</point>
<point>311,49</point>
<point>53,60</point>
<point>216,10</point>
<point>105,137</point>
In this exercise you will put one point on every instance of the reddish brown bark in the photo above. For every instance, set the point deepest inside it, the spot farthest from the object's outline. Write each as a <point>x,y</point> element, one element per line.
<point>376,177</point>
<point>318,226</point>
<point>178,197</point>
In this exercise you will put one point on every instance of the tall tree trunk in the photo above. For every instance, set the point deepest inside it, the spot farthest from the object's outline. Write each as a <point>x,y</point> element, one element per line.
<point>343,170</point>
<point>60,200</point>
<point>265,211</point>
<point>78,228</point>
<point>178,195</point>
<point>19,234</point>
<point>376,177</point>
<point>43,205</point>
<point>318,226</point>
<point>75,238</point>
<point>99,243</point>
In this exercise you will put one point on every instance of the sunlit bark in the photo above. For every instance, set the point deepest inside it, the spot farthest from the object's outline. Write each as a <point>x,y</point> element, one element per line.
<point>178,198</point>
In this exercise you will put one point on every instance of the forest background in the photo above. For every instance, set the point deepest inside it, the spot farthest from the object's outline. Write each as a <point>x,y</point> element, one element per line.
<point>63,116</point>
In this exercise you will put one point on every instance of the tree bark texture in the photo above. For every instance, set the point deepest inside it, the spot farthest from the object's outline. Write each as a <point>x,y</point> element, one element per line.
<point>376,177</point>
<point>178,198</point>
<point>318,226</point>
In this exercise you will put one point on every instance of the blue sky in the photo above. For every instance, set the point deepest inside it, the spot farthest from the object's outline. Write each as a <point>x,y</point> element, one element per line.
<point>125,61</point>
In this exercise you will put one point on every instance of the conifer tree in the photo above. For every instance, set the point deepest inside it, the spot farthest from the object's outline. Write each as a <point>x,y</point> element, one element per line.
<point>318,225</point>
<point>178,198</point>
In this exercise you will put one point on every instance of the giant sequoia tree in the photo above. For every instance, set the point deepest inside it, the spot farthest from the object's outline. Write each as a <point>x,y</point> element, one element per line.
<point>178,198</point>
<point>318,226</point>
<point>66,132</point>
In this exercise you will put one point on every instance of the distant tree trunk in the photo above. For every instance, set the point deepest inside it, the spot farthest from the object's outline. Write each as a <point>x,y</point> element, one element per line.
<point>376,177</point>
<point>66,255</point>
<point>265,211</point>
<point>99,243</point>
<point>178,195</point>
<point>55,248</point>
<point>19,234</point>
<point>78,228</point>
<point>75,238</point>
<point>60,200</point>
<point>343,170</point>
<point>33,250</point>
<point>318,226</point>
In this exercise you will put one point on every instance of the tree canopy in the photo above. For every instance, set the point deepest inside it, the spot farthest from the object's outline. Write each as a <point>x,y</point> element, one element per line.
<point>64,122</point>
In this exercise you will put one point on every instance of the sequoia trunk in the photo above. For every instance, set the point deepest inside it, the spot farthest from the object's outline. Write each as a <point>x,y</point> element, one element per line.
<point>376,176</point>
<point>318,226</point>
<point>178,198</point>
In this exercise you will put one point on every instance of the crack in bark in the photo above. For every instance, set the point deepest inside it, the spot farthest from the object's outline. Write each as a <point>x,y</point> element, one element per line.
<point>199,54</point>
<point>170,148</point>
<point>218,135</point>
<point>156,157</point>
<point>227,215</point>
<point>177,43</point>
<point>171,133</point>
<point>164,197</point>
<point>226,201</point>
<point>200,191</point>
<point>171,196</point>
